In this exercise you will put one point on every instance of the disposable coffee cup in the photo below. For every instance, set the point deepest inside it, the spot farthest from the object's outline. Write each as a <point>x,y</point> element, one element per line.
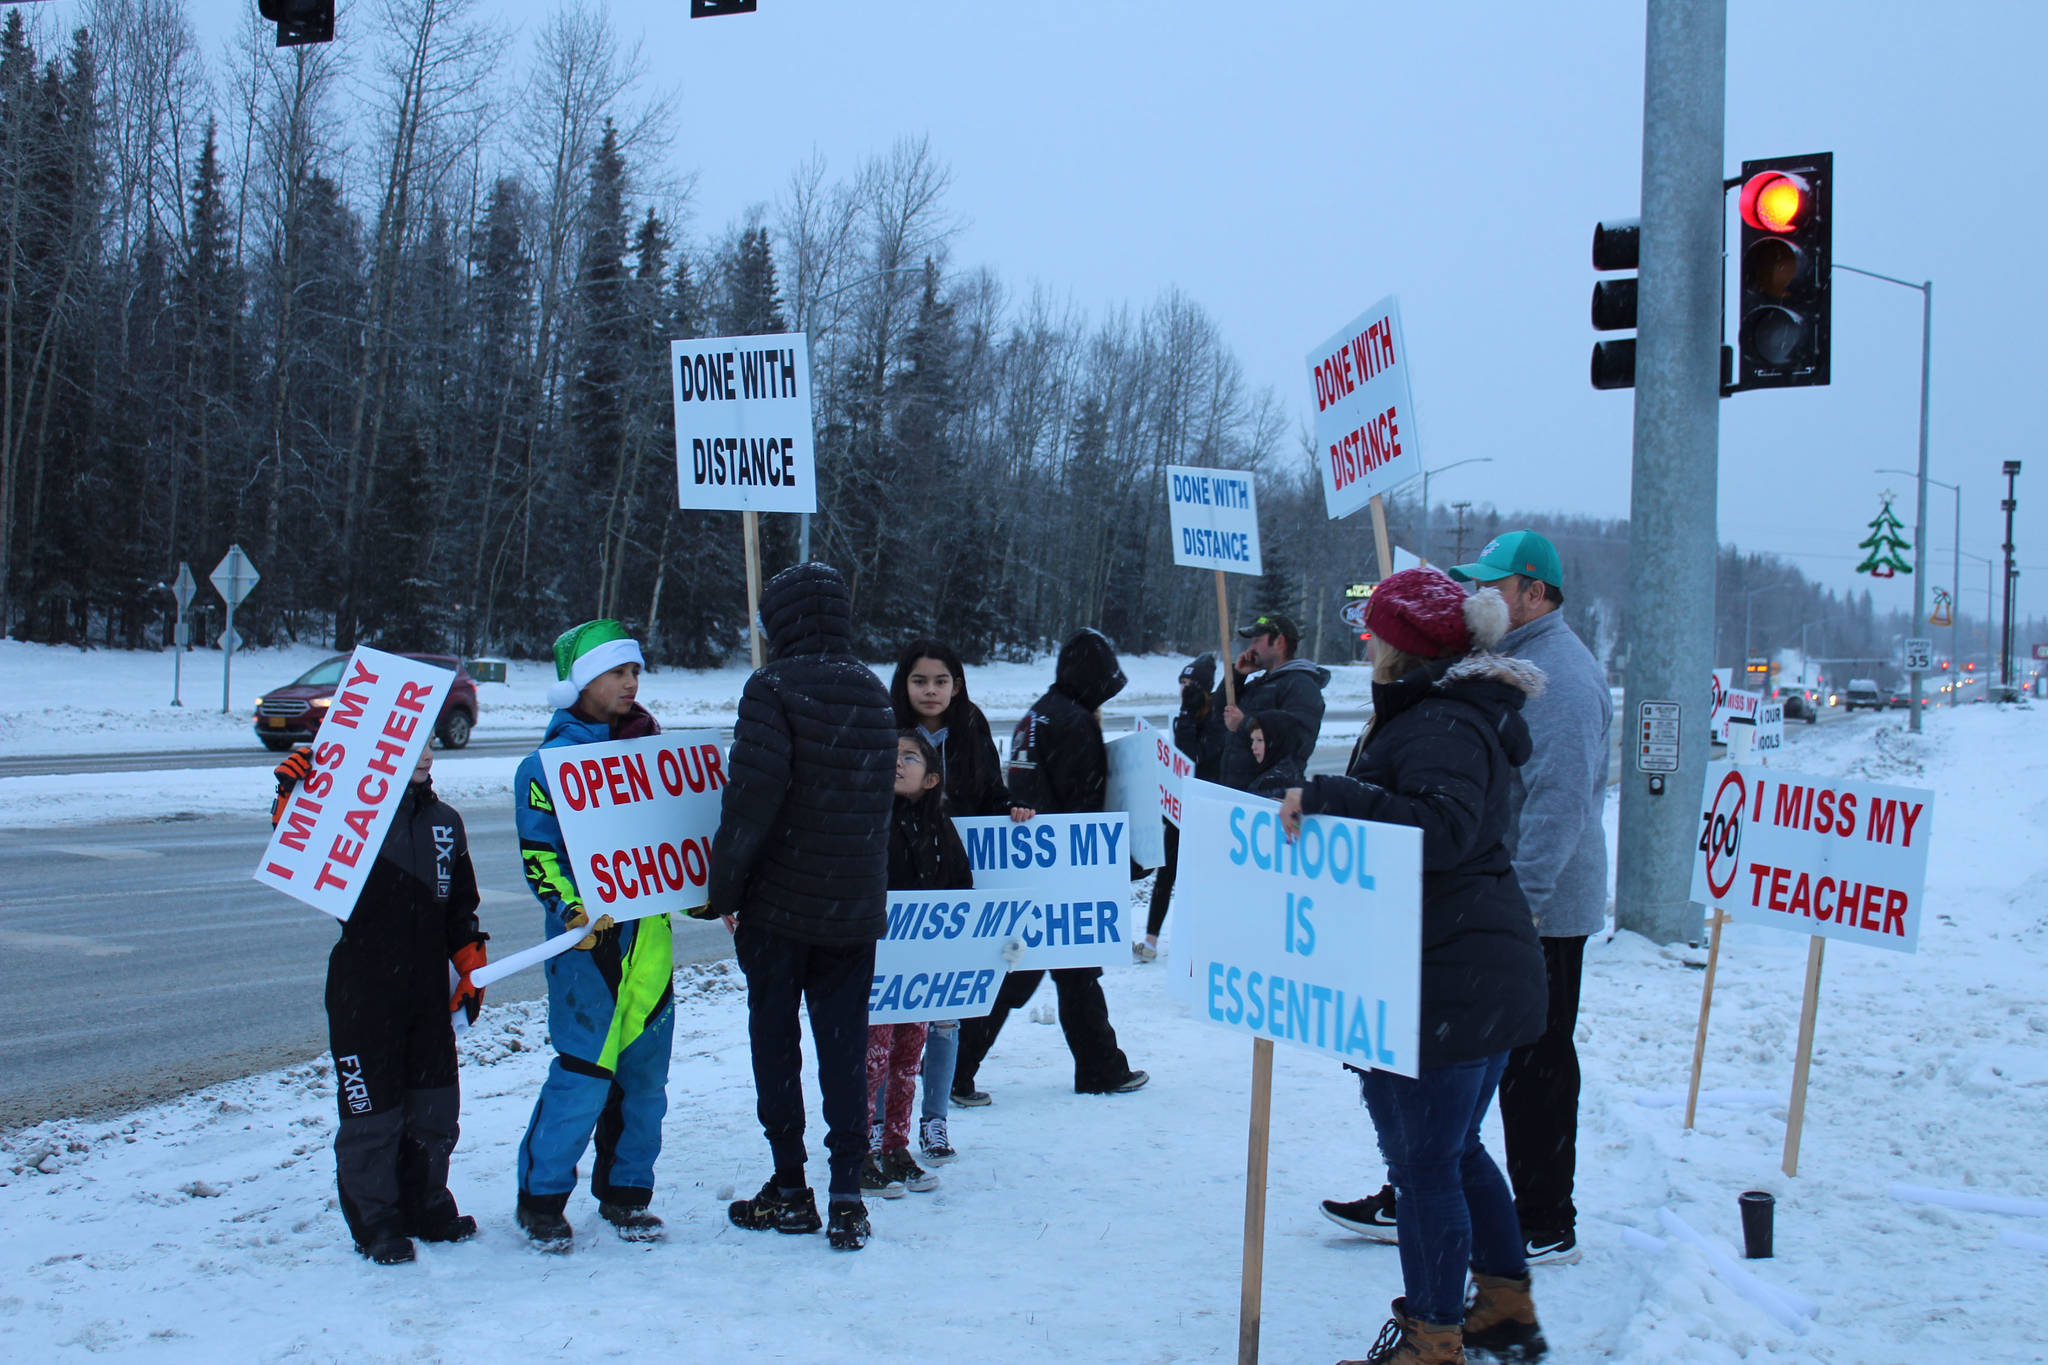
<point>1757,1207</point>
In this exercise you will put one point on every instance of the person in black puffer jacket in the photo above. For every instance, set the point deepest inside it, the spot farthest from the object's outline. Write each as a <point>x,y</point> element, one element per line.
<point>800,869</point>
<point>1058,766</point>
<point>1446,736</point>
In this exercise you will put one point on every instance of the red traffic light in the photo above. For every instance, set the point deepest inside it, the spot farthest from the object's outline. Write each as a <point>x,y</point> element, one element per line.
<point>1773,201</point>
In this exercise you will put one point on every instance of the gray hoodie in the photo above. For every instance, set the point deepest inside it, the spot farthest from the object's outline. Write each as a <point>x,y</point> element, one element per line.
<point>1558,844</point>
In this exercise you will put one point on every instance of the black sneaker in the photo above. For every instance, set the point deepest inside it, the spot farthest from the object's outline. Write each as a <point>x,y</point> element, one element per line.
<point>460,1228</point>
<point>392,1249</point>
<point>634,1224</point>
<point>900,1166</point>
<point>850,1229</point>
<point>1371,1217</point>
<point>769,1209</point>
<point>1550,1246</point>
<point>971,1099</point>
<point>874,1179</point>
<point>547,1229</point>
<point>933,1142</point>
<point>1133,1080</point>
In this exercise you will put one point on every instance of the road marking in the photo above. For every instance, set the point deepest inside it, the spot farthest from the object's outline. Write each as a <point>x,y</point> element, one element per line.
<point>67,943</point>
<point>112,853</point>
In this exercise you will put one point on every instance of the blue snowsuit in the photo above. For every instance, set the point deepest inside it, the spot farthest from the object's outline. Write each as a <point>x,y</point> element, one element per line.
<point>611,1017</point>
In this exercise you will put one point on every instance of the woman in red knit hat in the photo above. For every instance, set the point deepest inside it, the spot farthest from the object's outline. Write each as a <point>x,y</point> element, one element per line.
<point>1446,736</point>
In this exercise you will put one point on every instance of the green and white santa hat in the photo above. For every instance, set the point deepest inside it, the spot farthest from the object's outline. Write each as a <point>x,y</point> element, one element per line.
<point>583,652</point>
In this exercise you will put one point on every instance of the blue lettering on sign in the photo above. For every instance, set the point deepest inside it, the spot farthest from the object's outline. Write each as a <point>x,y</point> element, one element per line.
<point>930,990</point>
<point>1299,1011</point>
<point>914,919</point>
<point>1330,851</point>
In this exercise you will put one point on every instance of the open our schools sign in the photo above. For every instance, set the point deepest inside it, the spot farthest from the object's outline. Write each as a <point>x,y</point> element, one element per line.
<point>1215,519</point>
<point>1815,855</point>
<point>1365,410</point>
<point>637,818</point>
<point>743,423</point>
<point>1315,942</point>
<point>327,838</point>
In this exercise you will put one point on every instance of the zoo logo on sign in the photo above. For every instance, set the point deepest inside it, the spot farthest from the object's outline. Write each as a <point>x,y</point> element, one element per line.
<point>1721,834</point>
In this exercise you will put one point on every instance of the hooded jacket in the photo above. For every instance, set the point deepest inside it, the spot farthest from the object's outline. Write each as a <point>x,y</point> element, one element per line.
<point>418,904</point>
<point>1058,765</point>
<point>1443,747</point>
<point>803,833</point>
<point>1295,687</point>
<point>1198,730</point>
<point>1281,769</point>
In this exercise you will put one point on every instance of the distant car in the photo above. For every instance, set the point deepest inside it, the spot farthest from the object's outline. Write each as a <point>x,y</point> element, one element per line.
<point>1799,703</point>
<point>292,714</point>
<point>1862,692</point>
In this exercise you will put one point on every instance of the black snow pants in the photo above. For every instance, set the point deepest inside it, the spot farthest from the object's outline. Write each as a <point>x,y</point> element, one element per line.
<point>394,1066</point>
<point>1099,1064</point>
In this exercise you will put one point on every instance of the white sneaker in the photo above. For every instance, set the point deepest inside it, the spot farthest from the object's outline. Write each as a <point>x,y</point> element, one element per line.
<point>1142,951</point>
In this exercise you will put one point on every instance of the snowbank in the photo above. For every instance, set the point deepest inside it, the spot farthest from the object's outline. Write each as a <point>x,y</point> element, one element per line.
<point>1092,1229</point>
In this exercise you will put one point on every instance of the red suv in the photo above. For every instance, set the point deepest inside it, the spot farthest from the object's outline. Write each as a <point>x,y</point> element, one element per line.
<point>292,714</point>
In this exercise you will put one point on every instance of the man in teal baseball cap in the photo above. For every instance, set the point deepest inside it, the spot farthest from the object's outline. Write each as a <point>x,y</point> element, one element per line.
<point>1524,555</point>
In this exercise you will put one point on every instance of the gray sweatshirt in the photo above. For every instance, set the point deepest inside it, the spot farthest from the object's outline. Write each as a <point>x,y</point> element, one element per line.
<point>1558,844</point>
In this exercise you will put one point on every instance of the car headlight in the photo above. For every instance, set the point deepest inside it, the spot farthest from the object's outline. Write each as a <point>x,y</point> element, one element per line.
<point>323,702</point>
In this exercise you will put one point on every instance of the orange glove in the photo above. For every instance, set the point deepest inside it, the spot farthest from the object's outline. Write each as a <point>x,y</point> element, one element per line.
<point>468,958</point>
<point>296,768</point>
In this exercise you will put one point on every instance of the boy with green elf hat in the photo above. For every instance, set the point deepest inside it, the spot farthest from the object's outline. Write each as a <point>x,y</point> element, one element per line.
<point>610,1012</point>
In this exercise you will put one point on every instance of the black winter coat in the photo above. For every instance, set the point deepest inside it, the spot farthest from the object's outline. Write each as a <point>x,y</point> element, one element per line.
<point>926,855</point>
<point>974,770</point>
<point>1444,742</point>
<point>1281,769</point>
<point>1198,729</point>
<point>803,833</point>
<point>1058,765</point>
<point>417,906</point>
<point>1295,687</point>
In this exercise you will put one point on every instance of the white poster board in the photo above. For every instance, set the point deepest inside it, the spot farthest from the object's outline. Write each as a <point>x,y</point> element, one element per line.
<point>1840,858</point>
<point>1736,704</point>
<point>743,423</point>
<point>942,957</point>
<point>637,819</point>
<point>1365,410</point>
<point>327,839</point>
<point>1059,884</point>
<point>1145,773</point>
<point>1770,730</point>
<point>1315,942</point>
<point>1215,519</point>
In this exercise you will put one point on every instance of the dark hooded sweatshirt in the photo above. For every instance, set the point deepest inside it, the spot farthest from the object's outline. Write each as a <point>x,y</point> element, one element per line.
<point>803,834</point>
<point>1058,765</point>
<point>1282,768</point>
<point>1444,743</point>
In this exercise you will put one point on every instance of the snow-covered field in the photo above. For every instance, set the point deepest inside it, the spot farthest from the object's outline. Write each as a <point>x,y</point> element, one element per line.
<point>1107,1229</point>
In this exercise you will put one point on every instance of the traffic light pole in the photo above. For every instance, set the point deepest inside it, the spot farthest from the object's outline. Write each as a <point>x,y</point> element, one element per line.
<point>1926,289</point>
<point>1673,537</point>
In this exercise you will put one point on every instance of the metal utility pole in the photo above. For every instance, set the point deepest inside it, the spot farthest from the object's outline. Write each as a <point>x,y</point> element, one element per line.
<point>1427,474</point>
<point>2008,506</point>
<point>1460,508</point>
<point>1673,535</point>
<point>1955,619</point>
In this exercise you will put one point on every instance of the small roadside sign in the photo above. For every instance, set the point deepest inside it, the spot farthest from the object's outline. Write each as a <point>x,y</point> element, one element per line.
<point>184,587</point>
<point>1770,729</point>
<point>2041,651</point>
<point>1657,736</point>
<point>234,578</point>
<point>1354,614</point>
<point>1354,591</point>
<point>1919,654</point>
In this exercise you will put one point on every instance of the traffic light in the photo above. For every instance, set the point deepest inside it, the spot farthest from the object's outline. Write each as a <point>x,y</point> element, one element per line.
<point>299,22</point>
<point>1781,339</point>
<point>1616,246</point>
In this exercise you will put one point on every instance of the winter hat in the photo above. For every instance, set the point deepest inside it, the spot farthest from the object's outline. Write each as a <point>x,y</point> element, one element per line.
<point>1200,672</point>
<point>1425,612</point>
<point>583,652</point>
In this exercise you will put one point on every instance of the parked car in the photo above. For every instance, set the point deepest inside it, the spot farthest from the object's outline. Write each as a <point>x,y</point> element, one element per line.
<point>1862,692</point>
<point>1800,703</point>
<point>292,714</point>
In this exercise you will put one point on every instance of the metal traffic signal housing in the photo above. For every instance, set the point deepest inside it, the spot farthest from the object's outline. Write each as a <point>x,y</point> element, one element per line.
<point>299,22</point>
<point>1616,246</point>
<point>1781,338</point>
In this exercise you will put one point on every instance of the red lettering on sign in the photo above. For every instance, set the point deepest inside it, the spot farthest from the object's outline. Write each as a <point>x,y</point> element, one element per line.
<point>400,726</point>
<point>414,696</point>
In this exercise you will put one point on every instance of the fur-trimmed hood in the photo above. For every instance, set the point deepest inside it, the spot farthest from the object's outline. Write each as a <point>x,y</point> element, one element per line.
<point>1492,684</point>
<point>1520,674</point>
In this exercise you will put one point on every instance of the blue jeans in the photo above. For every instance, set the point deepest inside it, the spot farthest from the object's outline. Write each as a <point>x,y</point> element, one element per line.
<point>941,1053</point>
<point>1454,1208</point>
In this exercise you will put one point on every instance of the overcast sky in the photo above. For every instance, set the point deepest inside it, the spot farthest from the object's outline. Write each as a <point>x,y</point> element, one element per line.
<point>1286,164</point>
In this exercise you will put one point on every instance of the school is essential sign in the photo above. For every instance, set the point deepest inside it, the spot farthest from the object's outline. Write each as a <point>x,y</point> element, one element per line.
<point>1060,885</point>
<point>1215,518</point>
<point>1816,855</point>
<point>637,816</point>
<point>327,839</point>
<point>743,423</point>
<point>1365,409</point>
<point>1316,942</point>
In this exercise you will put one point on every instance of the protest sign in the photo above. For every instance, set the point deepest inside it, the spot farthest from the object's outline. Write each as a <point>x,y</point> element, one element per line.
<point>327,839</point>
<point>942,957</point>
<point>1736,704</point>
<point>1315,941</point>
<point>1365,411</point>
<point>1145,773</point>
<point>1059,884</point>
<point>1215,519</point>
<point>637,819</point>
<point>743,423</point>
<point>1770,729</point>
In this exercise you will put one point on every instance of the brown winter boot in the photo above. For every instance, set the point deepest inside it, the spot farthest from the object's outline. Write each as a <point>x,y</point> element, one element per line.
<point>1410,1341</point>
<point>1500,1322</point>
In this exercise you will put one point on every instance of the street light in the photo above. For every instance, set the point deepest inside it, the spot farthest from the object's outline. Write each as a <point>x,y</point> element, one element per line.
<point>1426,473</point>
<point>1987,562</point>
<point>1747,599</point>
<point>1926,289</point>
<point>1955,572</point>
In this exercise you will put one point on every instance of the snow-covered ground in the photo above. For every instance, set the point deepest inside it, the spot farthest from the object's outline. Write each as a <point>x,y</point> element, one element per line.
<point>1107,1229</point>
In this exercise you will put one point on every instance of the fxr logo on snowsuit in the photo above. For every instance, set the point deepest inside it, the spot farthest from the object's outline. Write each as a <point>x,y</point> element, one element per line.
<point>444,851</point>
<point>352,1083</point>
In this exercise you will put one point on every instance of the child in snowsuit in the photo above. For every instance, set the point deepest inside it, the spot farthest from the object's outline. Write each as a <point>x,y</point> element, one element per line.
<point>925,854</point>
<point>610,1012</point>
<point>1275,748</point>
<point>390,1021</point>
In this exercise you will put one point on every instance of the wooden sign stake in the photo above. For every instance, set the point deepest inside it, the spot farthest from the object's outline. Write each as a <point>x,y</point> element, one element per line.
<point>1796,1120</point>
<point>750,522</point>
<point>1699,1041</point>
